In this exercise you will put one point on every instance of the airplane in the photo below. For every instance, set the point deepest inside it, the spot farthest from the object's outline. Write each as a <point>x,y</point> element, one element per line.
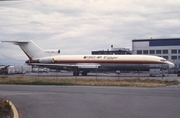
<point>86,63</point>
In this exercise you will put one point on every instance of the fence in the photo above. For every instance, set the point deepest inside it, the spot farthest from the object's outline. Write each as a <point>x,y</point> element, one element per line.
<point>23,71</point>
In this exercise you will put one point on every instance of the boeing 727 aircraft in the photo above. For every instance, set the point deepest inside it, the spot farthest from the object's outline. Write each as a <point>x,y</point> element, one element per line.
<point>85,63</point>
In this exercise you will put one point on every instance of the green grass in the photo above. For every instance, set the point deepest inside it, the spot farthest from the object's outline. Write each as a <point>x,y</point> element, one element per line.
<point>88,82</point>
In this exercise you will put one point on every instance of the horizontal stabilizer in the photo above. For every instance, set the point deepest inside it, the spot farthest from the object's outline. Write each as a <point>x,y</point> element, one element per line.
<point>16,42</point>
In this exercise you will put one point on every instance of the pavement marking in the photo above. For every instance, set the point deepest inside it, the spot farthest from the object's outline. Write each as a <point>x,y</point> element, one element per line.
<point>14,110</point>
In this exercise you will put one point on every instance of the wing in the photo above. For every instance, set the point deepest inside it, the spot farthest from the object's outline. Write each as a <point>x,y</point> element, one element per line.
<point>80,66</point>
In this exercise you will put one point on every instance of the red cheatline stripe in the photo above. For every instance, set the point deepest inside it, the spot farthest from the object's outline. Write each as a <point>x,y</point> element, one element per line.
<point>108,61</point>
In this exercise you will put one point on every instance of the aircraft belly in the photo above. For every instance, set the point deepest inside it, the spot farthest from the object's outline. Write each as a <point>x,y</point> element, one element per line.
<point>130,67</point>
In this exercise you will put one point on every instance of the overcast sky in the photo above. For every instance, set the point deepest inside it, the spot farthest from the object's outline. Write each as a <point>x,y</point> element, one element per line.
<point>80,26</point>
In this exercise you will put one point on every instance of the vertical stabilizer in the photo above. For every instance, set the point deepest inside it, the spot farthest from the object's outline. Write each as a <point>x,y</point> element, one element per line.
<point>32,50</point>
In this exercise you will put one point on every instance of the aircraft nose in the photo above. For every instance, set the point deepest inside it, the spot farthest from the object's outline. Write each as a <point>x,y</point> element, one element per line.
<point>171,65</point>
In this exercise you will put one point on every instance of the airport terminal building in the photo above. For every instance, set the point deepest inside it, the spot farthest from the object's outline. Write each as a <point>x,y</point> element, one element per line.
<point>115,51</point>
<point>166,48</point>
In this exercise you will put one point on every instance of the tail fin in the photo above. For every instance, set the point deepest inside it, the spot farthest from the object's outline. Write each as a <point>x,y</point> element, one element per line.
<point>32,50</point>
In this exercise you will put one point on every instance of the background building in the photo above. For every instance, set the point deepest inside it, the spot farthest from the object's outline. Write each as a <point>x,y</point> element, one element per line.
<point>167,48</point>
<point>116,51</point>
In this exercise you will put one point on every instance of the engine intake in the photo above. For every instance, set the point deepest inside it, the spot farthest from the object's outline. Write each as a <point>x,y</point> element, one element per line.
<point>52,52</point>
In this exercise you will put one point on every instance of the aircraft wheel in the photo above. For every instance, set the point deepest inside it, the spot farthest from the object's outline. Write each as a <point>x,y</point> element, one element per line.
<point>84,73</point>
<point>76,73</point>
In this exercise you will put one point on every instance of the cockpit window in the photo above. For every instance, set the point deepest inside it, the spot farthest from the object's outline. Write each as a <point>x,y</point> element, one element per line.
<point>163,60</point>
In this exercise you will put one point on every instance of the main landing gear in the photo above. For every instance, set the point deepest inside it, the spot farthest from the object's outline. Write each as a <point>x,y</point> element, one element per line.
<point>84,73</point>
<point>76,73</point>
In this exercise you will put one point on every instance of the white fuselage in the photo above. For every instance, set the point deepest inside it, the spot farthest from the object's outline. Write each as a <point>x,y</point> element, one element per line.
<point>121,59</point>
<point>107,62</point>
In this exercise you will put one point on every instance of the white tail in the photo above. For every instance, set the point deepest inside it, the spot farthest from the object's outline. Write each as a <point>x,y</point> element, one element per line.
<point>32,50</point>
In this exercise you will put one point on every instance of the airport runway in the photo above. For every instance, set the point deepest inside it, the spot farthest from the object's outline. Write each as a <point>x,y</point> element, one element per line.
<point>93,102</point>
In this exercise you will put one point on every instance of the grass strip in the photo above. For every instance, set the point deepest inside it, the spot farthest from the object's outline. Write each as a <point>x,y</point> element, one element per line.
<point>88,82</point>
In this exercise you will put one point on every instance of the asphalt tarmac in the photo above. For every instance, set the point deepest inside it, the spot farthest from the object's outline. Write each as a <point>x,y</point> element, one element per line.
<point>93,102</point>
